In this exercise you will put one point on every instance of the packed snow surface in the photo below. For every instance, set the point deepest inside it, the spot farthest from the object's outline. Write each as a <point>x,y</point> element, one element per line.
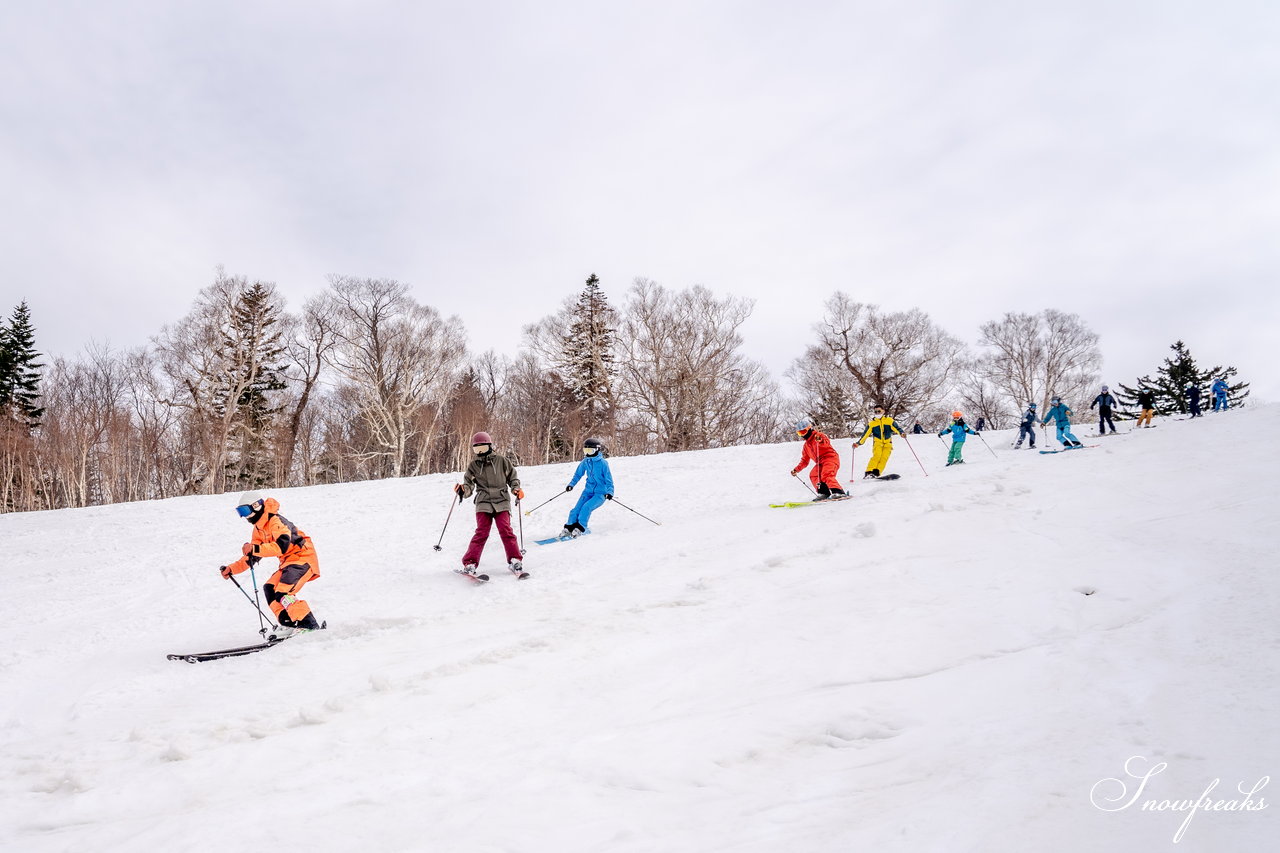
<point>957,662</point>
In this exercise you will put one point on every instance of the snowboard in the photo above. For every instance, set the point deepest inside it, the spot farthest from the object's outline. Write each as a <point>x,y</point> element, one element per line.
<point>794,504</point>
<point>554,539</point>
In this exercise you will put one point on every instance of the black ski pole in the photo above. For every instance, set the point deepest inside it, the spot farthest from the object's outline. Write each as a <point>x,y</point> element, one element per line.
<point>446,522</point>
<point>544,503</point>
<point>520,518</point>
<point>984,444</point>
<point>262,629</point>
<point>806,485</point>
<point>251,601</point>
<point>629,509</point>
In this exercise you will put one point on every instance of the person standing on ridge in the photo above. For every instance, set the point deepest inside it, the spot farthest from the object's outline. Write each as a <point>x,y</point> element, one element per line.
<point>1220,389</point>
<point>1147,400</point>
<point>881,428</point>
<point>1104,402</point>
<point>1027,428</point>
<point>275,536</point>
<point>490,476</point>
<point>1061,413</point>
<point>959,431</point>
<point>826,462</point>
<point>598,488</point>
<point>1193,395</point>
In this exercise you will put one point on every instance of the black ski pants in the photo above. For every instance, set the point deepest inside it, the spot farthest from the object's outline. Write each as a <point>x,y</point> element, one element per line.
<point>1104,420</point>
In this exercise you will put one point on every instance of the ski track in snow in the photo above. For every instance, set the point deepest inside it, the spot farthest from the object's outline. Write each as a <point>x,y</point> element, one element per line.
<point>914,669</point>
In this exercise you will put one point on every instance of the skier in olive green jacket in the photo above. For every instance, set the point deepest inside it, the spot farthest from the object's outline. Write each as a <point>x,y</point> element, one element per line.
<point>489,477</point>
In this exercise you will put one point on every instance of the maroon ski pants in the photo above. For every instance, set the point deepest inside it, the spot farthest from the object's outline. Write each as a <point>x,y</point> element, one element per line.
<point>484,522</point>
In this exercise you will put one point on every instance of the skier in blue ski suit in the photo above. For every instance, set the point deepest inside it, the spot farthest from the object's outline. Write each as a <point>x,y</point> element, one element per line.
<point>1061,413</point>
<point>1220,389</point>
<point>598,489</point>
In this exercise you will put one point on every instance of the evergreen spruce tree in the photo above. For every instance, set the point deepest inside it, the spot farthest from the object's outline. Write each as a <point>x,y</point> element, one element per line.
<point>833,411</point>
<point>252,348</point>
<point>587,366</point>
<point>1174,377</point>
<point>20,371</point>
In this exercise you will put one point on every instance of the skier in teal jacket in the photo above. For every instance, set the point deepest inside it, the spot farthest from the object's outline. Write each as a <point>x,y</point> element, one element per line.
<point>959,431</point>
<point>1060,412</point>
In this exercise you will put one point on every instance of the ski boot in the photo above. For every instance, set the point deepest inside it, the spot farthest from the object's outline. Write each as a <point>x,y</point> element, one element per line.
<point>517,569</point>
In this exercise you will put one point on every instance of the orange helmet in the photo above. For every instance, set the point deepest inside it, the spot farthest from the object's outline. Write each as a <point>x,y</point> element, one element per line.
<point>957,415</point>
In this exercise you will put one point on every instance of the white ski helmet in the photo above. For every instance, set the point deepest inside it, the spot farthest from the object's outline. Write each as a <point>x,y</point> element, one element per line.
<point>249,498</point>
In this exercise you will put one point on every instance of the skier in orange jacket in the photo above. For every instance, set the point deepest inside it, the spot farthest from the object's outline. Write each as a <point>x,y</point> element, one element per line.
<point>275,536</point>
<point>826,462</point>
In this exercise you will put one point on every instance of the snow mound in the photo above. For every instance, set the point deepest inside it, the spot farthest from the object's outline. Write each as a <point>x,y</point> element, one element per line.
<point>946,662</point>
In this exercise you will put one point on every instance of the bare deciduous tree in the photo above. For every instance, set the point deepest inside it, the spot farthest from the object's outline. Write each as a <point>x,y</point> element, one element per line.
<point>899,360</point>
<point>683,373</point>
<point>309,340</point>
<point>399,359</point>
<point>979,398</point>
<point>1031,357</point>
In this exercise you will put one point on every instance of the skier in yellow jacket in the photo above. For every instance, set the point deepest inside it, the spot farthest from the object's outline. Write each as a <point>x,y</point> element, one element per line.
<point>881,429</point>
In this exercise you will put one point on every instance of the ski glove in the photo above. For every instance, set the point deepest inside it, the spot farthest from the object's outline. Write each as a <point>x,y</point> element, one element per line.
<point>608,497</point>
<point>795,471</point>
<point>519,494</point>
<point>247,548</point>
<point>226,572</point>
<point>459,491</point>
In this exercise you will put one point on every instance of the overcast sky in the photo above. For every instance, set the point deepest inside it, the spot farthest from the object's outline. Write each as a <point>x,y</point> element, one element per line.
<point>1116,159</point>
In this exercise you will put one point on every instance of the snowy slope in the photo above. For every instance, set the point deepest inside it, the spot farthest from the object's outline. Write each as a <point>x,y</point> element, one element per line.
<point>917,669</point>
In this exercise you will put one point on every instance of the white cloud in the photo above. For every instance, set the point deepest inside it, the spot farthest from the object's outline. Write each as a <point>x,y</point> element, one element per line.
<point>1113,159</point>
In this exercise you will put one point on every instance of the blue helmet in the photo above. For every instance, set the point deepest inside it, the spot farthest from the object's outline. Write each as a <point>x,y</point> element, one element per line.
<point>804,425</point>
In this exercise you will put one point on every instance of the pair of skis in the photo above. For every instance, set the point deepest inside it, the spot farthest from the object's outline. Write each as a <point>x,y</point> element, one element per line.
<point>795,504</point>
<point>477,578</point>
<point>1065,449</point>
<point>836,499</point>
<point>554,539</point>
<point>271,642</point>
<point>201,657</point>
